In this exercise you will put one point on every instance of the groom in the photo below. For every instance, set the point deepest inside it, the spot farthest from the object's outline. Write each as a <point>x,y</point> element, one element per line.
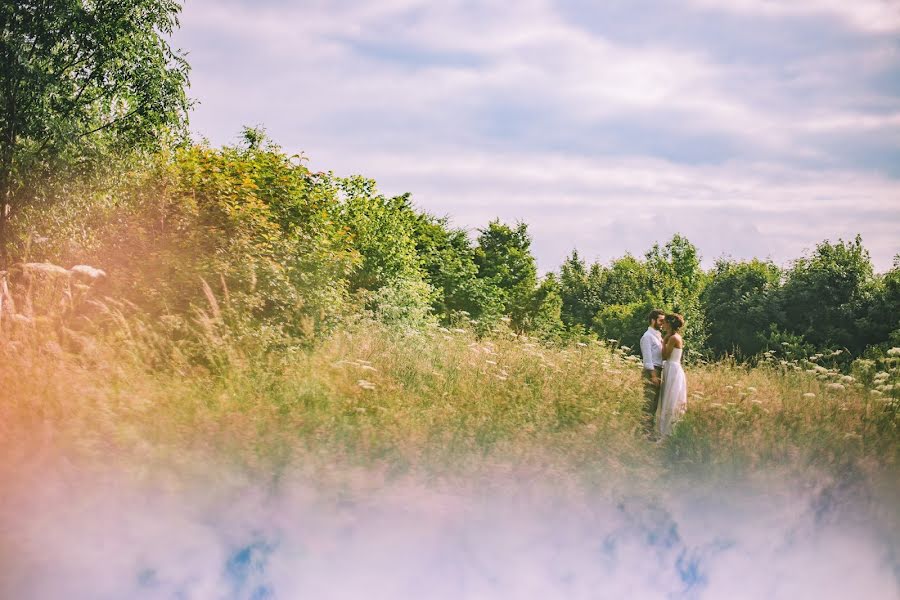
<point>651,353</point>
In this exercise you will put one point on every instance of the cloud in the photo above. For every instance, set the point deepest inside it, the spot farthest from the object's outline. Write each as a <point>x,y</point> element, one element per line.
<point>881,16</point>
<point>606,206</point>
<point>483,111</point>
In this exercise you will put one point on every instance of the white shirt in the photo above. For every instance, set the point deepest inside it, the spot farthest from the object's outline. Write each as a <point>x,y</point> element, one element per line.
<point>651,349</point>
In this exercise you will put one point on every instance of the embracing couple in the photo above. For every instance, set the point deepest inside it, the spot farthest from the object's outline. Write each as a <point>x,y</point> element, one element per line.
<point>665,386</point>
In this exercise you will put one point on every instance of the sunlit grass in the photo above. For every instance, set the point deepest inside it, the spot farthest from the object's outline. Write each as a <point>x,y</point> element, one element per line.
<point>427,399</point>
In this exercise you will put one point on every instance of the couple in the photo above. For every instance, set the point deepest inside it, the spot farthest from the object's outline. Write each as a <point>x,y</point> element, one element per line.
<point>665,386</point>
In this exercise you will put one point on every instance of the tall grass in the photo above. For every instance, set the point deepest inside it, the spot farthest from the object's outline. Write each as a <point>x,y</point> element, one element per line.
<point>119,385</point>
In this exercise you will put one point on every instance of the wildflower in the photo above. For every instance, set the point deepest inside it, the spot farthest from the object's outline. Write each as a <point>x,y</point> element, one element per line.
<point>847,379</point>
<point>886,388</point>
<point>894,351</point>
<point>729,387</point>
<point>491,362</point>
<point>876,393</point>
<point>837,387</point>
<point>809,395</point>
<point>458,330</point>
<point>367,368</point>
<point>365,384</point>
<point>625,348</point>
<point>582,345</point>
<point>501,377</point>
<point>881,376</point>
<point>755,401</point>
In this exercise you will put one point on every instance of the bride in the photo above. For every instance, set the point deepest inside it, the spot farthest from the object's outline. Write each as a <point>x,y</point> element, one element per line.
<point>673,396</point>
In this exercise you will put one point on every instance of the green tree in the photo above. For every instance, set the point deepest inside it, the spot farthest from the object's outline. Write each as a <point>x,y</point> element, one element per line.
<point>82,81</point>
<point>625,281</point>
<point>573,286</point>
<point>504,261</point>
<point>825,295</point>
<point>544,314</point>
<point>739,304</point>
<point>676,282</point>
<point>382,230</point>
<point>448,260</point>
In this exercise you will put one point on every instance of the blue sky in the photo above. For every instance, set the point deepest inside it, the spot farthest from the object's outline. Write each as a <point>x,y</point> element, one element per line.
<point>754,127</point>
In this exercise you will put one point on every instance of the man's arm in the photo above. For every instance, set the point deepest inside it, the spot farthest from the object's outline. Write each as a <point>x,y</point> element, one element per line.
<point>647,356</point>
<point>647,352</point>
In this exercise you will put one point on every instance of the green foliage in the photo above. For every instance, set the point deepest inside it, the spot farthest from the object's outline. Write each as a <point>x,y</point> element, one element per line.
<point>254,223</point>
<point>382,231</point>
<point>448,260</point>
<point>739,304</point>
<point>505,262</point>
<point>624,323</point>
<point>404,303</point>
<point>84,83</point>
<point>544,312</point>
<point>825,294</point>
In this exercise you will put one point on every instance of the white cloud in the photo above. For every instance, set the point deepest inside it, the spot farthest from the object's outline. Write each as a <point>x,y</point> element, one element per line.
<point>606,205</point>
<point>882,16</point>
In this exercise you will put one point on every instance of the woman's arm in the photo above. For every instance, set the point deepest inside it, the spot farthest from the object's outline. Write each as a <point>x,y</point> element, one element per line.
<point>667,347</point>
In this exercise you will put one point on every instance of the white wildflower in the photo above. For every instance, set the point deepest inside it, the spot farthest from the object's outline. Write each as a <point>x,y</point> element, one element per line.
<point>809,395</point>
<point>894,352</point>
<point>837,387</point>
<point>365,384</point>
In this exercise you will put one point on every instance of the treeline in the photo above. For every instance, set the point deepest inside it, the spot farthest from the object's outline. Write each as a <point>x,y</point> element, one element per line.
<point>295,252</point>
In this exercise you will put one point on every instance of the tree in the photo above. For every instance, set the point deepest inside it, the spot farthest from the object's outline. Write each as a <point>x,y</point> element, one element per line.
<point>676,281</point>
<point>739,304</point>
<point>82,80</point>
<point>544,314</point>
<point>505,261</point>
<point>826,293</point>
<point>448,260</point>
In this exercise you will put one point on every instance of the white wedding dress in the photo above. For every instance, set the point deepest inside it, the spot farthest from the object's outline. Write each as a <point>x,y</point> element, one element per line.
<point>673,396</point>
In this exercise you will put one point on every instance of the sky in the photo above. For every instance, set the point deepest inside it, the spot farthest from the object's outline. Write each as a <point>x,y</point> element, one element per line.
<point>756,128</point>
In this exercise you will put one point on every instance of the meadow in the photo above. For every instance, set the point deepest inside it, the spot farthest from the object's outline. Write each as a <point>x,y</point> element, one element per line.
<point>205,464</point>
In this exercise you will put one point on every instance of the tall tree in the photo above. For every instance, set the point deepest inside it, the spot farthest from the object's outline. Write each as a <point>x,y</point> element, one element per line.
<point>827,293</point>
<point>739,304</point>
<point>505,261</point>
<point>82,80</point>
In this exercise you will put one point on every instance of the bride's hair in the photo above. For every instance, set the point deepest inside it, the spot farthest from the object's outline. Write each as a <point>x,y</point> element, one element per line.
<point>675,321</point>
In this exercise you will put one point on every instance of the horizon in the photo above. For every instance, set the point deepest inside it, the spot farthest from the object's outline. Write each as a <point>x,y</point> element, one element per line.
<point>754,130</point>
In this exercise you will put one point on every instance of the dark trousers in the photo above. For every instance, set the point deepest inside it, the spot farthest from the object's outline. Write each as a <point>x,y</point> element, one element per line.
<point>651,400</point>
